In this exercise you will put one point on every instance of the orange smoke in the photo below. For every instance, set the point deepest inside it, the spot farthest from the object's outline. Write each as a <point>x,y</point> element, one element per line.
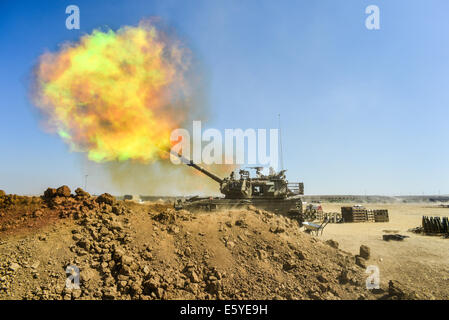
<point>116,95</point>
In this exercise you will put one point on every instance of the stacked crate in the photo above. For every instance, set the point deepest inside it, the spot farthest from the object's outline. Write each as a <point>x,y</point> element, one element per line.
<point>381,215</point>
<point>370,216</point>
<point>346,213</point>
<point>354,214</point>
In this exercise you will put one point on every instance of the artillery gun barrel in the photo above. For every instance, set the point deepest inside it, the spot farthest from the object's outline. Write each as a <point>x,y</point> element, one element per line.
<point>207,173</point>
<point>190,163</point>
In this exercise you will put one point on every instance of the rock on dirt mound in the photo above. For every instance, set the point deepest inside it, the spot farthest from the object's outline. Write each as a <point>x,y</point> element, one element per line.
<point>50,193</point>
<point>106,198</point>
<point>396,290</point>
<point>332,243</point>
<point>63,191</point>
<point>170,216</point>
<point>2,193</point>
<point>80,193</point>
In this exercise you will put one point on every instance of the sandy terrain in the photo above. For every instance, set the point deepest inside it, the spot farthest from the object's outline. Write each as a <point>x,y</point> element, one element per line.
<point>422,262</point>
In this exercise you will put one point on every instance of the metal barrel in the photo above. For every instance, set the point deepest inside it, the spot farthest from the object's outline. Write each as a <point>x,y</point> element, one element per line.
<point>207,173</point>
<point>190,163</point>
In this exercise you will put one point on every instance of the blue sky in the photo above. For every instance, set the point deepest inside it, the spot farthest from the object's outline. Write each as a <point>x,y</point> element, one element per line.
<point>362,111</point>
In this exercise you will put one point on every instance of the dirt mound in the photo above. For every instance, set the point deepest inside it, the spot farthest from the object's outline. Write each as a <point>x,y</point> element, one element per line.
<point>171,216</point>
<point>124,250</point>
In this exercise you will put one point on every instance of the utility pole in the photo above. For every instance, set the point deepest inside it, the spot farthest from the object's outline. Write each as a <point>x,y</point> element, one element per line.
<point>85,182</point>
<point>280,142</point>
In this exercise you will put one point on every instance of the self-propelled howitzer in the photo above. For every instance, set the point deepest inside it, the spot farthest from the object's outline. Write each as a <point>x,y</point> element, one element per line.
<point>270,192</point>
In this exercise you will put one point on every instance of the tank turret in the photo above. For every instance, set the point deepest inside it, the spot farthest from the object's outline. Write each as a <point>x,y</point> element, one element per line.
<point>271,186</point>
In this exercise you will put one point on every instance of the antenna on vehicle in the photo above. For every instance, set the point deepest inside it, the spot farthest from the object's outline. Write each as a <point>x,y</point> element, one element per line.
<point>280,143</point>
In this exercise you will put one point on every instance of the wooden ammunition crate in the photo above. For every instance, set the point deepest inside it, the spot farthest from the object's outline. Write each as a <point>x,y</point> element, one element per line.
<point>381,215</point>
<point>354,214</point>
<point>370,216</point>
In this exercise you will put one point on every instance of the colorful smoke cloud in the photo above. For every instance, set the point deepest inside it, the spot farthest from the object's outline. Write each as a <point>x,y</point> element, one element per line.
<point>116,95</point>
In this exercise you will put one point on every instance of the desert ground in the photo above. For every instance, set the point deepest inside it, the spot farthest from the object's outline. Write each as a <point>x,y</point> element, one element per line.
<point>420,262</point>
<point>127,250</point>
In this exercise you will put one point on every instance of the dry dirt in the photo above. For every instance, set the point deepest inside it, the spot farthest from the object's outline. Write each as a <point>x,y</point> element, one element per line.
<point>126,250</point>
<point>419,262</point>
